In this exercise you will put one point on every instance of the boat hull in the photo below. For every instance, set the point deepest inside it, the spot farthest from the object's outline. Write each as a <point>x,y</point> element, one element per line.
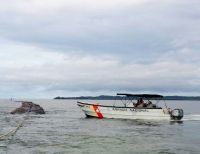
<point>101,111</point>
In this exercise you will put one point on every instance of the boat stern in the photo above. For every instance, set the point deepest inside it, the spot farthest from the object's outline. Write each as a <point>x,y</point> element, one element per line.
<point>177,114</point>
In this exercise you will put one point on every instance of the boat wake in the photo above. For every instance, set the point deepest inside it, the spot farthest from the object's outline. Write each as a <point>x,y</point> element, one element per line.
<point>191,117</point>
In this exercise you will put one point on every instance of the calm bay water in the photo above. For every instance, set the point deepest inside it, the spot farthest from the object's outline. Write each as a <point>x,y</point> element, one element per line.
<point>64,129</point>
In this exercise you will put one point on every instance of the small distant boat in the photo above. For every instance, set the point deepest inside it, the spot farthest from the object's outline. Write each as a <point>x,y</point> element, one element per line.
<point>134,106</point>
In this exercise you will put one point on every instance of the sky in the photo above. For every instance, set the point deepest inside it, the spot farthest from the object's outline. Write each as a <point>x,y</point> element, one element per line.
<point>55,48</point>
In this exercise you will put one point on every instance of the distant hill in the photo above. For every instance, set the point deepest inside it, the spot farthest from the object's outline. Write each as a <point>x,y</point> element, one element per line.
<point>107,97</point>
<point>182,98</point>
<point>101,97</point>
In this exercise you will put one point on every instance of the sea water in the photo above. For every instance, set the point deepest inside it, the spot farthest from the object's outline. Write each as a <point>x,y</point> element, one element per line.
<point>65,130</point>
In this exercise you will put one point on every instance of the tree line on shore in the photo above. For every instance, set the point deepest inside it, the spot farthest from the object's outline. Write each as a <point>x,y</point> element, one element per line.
<point>107,97</point>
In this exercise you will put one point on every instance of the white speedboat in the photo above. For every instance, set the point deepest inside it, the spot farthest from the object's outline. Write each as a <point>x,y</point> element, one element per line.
<point>130,109</point>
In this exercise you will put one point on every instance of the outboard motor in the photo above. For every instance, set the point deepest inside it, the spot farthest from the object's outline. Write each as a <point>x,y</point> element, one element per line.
<point>177,114</point>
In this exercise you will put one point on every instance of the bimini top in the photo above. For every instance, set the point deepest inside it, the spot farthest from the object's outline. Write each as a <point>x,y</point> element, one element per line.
<point>141,95</point>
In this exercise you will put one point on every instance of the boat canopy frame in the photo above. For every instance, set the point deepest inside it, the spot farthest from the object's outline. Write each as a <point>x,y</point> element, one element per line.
<point>128,98</point>
<point>147,96</point>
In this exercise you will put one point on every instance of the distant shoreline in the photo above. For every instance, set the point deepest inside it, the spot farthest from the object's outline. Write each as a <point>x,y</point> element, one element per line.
<point>105,97</point>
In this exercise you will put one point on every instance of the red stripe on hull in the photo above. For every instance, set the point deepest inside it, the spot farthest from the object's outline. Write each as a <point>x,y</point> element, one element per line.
<point>96,109</point>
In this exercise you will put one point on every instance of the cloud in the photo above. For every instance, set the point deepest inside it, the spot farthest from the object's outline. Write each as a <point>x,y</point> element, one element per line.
<point>28,68</point>
<point>117,27</point>
<point>59,47</point>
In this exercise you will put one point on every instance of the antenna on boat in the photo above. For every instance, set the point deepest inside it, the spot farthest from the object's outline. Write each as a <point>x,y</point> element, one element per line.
<point>115,101</point>
<point>165,103</point>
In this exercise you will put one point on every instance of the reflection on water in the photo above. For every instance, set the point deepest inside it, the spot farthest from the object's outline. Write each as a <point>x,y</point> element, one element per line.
<point>64,129</point>
<point>176,122</point>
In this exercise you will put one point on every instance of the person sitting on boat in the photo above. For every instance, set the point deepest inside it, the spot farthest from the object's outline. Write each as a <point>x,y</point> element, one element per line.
<point>140,103</point>
<point>151,105</point>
